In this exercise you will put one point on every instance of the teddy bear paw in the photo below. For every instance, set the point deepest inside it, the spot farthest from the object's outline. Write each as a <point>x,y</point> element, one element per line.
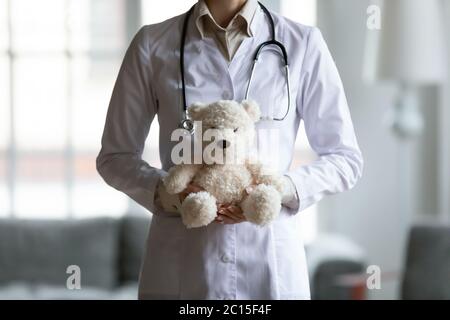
<point>262,205</point>
<point>173,184</point>
<point>198,209</point>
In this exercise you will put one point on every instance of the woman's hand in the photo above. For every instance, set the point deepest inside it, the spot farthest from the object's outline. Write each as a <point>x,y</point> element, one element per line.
<point>229,214</point>
<point>226,213</point>
<point>191,188</point>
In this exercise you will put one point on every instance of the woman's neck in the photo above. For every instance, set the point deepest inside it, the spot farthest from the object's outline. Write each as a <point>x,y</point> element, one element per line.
<point>223,11</point>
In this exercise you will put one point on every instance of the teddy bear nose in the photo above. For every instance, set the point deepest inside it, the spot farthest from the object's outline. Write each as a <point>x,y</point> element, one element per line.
<point>224,144</point>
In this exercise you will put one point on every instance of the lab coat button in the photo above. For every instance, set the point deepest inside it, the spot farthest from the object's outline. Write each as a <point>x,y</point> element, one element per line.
<point>226,258</point>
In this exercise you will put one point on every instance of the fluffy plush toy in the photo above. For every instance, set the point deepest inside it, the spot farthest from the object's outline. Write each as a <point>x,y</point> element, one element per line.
<point>231,178</point>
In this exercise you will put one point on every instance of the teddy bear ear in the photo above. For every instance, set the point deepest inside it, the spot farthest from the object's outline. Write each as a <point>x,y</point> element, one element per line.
<point>252,109</point>
<point>195,110</point>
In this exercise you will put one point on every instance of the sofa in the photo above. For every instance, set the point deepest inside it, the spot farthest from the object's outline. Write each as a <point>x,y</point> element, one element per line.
<point>35,256</point>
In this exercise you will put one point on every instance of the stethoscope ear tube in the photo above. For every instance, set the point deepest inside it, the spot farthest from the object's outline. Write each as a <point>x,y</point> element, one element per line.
<point>274,43</point>
<point>288,89</point>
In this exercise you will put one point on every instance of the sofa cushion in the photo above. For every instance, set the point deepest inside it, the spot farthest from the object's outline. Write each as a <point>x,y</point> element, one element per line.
<point>427,270</point>
<point>134,229</point>
<point>24,291</point>
<point>39,251</point>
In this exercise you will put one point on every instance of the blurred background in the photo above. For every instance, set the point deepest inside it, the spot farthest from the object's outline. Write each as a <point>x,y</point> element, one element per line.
<point>388,238</point>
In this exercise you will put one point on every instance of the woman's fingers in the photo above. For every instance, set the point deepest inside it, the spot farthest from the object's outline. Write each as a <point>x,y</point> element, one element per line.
<point>234,212</point>
<point>223,219</point>
<point>191,188</point>
<point>226,213</point>
<point>230,214</point>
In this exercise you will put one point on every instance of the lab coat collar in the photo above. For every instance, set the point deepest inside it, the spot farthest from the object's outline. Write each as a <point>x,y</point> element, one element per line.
<point>208,43</point>
<point>249,13</point>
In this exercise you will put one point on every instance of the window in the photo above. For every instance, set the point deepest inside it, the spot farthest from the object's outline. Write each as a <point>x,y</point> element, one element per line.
<point>58,62</point>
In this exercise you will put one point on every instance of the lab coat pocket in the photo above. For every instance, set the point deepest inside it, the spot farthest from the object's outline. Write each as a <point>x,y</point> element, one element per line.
<point>193,268</point>
<point>160,272</point>
<point>292,273</point>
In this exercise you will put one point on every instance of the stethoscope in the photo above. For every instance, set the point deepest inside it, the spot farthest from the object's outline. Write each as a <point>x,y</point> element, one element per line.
<point>187,123</point>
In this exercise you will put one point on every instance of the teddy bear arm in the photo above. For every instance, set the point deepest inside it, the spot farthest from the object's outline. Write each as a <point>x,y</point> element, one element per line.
<point>255,169</point>
<point>272,180</point>
<point>262,175</point>
<point>179,177</point>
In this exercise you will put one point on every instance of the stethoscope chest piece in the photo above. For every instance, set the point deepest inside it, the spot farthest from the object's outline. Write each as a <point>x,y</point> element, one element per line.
<point>188,125</point>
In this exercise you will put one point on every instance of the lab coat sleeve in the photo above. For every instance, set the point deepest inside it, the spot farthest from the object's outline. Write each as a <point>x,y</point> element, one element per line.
<point>323,107</point>
<point>131,111</point>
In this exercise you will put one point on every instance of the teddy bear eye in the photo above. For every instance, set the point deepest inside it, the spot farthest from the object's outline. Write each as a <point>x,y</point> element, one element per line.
<point>235,130</point>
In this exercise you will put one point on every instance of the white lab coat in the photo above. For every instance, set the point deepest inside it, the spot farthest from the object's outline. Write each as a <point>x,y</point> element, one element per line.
<point>240,261</point>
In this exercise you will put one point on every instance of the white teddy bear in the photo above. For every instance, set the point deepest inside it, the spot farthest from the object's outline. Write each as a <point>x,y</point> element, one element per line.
<point>229,176</point>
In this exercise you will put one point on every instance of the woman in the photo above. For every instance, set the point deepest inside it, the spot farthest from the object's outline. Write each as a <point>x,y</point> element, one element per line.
<point>232,258</point>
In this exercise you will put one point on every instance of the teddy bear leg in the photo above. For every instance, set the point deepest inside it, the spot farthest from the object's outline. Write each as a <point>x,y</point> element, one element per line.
<point>262,205</point>
<point>198,209</point>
